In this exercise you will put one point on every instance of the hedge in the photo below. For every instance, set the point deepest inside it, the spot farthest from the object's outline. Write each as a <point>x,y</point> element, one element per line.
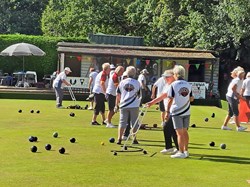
<point>42,65</point>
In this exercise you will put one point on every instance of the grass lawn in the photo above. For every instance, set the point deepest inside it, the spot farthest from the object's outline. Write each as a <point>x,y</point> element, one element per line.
<point>88,163</point>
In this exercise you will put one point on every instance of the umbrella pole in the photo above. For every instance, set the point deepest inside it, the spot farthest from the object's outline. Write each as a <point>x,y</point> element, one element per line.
<point>23,63</point>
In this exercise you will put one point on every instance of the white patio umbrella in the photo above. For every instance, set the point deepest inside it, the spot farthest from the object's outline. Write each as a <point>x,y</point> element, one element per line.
<point>22,49</point>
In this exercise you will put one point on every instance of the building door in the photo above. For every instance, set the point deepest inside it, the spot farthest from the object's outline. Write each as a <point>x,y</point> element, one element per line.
<point>196,71</point>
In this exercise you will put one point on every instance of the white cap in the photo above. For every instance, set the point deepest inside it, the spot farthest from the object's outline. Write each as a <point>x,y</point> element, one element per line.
<point>112,66</point>
<point>67,69</point>
<point>145,71</point>
<point>167,73</point>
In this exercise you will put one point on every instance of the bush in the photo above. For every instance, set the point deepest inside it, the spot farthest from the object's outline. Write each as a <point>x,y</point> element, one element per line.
<point>42,65</point>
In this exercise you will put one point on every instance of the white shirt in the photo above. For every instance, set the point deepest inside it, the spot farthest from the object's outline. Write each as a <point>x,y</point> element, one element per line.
<point>161,85</point>
<point>93,75</point>
<point>111,89</point>
<point>58,80</point>
<point>181,91</point>
<point>246,86</point>
<point>142,79</point>
<point>130,93</point>
<point>235,81</point>
<point>97,86</point>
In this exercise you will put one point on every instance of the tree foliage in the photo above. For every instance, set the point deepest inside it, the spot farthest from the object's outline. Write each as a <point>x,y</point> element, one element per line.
<point>21,16</point>
<point>207,24</point>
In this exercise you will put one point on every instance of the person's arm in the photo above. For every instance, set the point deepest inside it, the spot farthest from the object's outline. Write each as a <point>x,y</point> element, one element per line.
<point>236,94</point>
<point>117,102</point>
<point>167,108</point>
<point>115,80</point>
<point>66,82</point>
<point>157,100</point>
<point>90,82</point>
<point>153,92</point>
<point>103,86</point>
<point>103,80</point>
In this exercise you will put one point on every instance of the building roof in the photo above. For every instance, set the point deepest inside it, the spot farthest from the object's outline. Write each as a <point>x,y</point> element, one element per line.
<point>135,51</point>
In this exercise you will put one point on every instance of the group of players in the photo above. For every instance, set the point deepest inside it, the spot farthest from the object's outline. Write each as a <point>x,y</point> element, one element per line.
<point>124,92</point>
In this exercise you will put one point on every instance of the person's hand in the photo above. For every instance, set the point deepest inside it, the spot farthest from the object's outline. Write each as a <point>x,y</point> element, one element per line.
<point>152,96</point>
<point>149,104</point>
<point>167,116</point>
<point>116,109</point>
<point>106,96</point>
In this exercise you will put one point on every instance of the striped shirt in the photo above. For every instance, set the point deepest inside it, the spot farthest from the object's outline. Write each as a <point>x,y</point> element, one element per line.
<point>130,92</point>
<point>181,92</point>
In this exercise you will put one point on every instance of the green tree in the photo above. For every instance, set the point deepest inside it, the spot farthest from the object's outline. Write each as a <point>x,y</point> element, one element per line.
<point>21,16</point>
<point>79,18</point>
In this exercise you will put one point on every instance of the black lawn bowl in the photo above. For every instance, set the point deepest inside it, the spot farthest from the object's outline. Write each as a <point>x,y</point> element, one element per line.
<point>72,114</point>
<point>33,149</point>
<point>223,146</point>
<point>55,134</point>
<point>48,147</point>
<point>143,126</point>
<point>115,153</point>
<point>35,139</point>
<point>38,111</point>
<point>31,139</point>
<point>155,125</point>
<point>62,150</point>
<point>72,140</point>
<point>32,111</point>
<point>212,144</point>
<point>125,148</point>
<point>145,152</point>
<point>20,111</point>
<point>142,113</point>
<point>86,107</point>
<point>78,107</point>
<point>206,119</point>
<point>193,125</point>
<point>213,115</point>
<point>112,140</point>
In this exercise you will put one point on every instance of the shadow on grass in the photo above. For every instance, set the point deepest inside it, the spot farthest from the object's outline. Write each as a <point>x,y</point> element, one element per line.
<point>150,141</point>
<point>203,127</point>
<point>219,158</point>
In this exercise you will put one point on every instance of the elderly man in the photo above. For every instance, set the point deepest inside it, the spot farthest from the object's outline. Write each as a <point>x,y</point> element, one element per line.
<point>99,90</point>
<point>128,100</point>
<point>58,85</point>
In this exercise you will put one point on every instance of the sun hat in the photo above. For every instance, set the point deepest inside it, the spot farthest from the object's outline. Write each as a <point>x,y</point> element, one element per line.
<point>67,69</point>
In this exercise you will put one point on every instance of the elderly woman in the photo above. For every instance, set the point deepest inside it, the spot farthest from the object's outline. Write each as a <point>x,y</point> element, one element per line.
<point>111,93</point>
<point>245,90</point>
<point>233,96</point>
<point>178,107</point>
<point>58,85</point>
<point>127,99</point>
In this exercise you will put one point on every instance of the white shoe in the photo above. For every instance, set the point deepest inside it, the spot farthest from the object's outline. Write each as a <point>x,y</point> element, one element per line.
<point>90,108</point>
<point>179,155</point>
<point>168,151</point>
<point>241,128</point>
<point>110,125</point>
<point>60,107</point>
<point>124,137</point>
<point>225,128</point>
<point>186,153</point>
